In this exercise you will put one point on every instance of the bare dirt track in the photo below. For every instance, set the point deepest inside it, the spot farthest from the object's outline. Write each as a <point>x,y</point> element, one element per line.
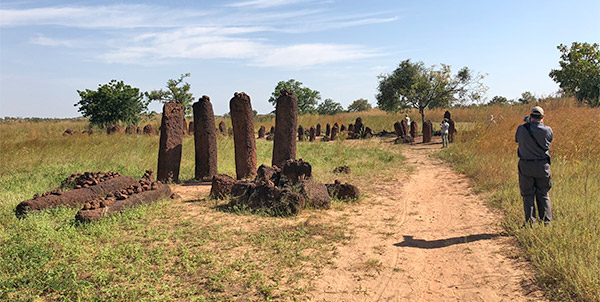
<point>425,236</point>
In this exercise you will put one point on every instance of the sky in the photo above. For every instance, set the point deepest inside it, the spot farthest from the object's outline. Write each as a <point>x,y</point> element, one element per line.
<point>51,49</point>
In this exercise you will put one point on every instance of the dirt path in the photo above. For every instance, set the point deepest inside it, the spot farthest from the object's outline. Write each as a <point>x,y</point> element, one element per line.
<point>425,237</point>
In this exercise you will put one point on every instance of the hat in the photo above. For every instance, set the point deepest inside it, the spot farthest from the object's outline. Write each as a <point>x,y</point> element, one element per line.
<point>537,110</point>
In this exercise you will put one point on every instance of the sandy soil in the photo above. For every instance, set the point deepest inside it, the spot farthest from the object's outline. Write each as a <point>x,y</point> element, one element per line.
<point>425,236</point>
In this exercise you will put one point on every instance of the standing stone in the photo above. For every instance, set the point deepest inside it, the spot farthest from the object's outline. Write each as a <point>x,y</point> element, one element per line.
<point>222,128</point>
<point>312,133</point>
<point>171,138</point>
<point>414,129</point>
<point>318,130</point>
<point>351,128</point>
<point>447,115</point>
<point>149,130</point>
<point>404,127</point>
<point>427,129</point>
<point>343,128</point>
<point>451,130</point>
<point>286,120</point>
<point>398,129</point>
<point>242,120</point>
<point>327,129</point>
<point>334,131</point>
<point>191,127</point>
<point>184,128</point>
<point>358,126</point>
<point>131,129</point>
<point>114,129</point>
<point>261,132</point>
<point>300,133</point>
<point>205,139</point>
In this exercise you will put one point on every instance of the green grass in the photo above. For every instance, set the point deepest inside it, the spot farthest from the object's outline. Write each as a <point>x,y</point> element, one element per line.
<point>186,251</point>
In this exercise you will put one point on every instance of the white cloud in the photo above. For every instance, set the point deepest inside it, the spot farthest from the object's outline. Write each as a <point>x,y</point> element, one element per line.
<point>304,55</point>
<point>265,3</point>
<point>40,39</point>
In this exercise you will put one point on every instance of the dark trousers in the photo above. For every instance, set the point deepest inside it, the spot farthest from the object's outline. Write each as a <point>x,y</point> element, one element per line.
<point>535,180</point>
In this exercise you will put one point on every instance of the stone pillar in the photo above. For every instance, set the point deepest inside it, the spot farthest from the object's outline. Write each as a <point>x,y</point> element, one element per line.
<point>350,128</point>
<point>300,133</point>
<point>358,126</point>
<point>343,128</point>
<point>312,133</point>
<point>222,128</point>
<point>318,130</point>
<point>205,139</point>
<point>272,131</point>
<point>171,138</point>
<point>286,121</point>
<point>451,130</point>
<point>149,130</point>
<point>427,131</point>
<point>191,127</point>
<point>334,131</point>
<point>327,130</point>
<point>261,132</point>
<point>414,129</point>
<point>404,127</point>
<point>398,129</point>
<point>242,120</point>
<point>447,115</point>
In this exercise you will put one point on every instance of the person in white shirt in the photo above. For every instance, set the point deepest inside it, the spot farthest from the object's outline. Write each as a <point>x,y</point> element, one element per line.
<point>407,119</point>
<point>445,127</point>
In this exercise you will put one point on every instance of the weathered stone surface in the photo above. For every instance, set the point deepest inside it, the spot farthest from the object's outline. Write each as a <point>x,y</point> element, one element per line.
<point>358,126</point>
<point>404,128</point>
<point>221,186</point>
<point>335,130</point>
<point>414,129</point>
<point>261,132</point>
<point>344,191</point>
<point>315,195</point>
<point>191,128</point>
<point>76,197</point>
<point>222,128</point>
<point>427,131</point>
<point>342,128</point>
<point>242,120</point>
<point>149,130</point>
<point>300,133</point>
<point>268,176</point>
<point>131,129</point>
<point>350,128</point>
<point>68,132</point>
<point>295,171</point>
<point>270,136</point>
<point>327,129</point>
<point>205,139</point>
<point>286,121</point>
<point>318,130</point>
<point>272,130</point>
<point>273,200</point>
<point>162,191</point>
<point>368,133</point>
<point>342,169</point>
<point>114,129</point>
<point>447,115</point>
<point>312,133</point>
<point>451,131</point>
<point>171,139</point>
<point>398,129</point>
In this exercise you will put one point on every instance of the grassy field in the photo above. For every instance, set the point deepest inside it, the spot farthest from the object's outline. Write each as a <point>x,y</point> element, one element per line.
<point>566,254</point>
<point>168,250</point>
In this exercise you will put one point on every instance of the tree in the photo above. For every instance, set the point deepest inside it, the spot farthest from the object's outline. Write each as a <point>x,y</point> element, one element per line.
<point>413,85</point>
<point>329,107</point>
<point>307,98</point>
<point>359,105</point>
<point>179,94</point>
<point>498,100</point>
<point>527,98</point>
<point>112,103</point>
<point>579,72</point>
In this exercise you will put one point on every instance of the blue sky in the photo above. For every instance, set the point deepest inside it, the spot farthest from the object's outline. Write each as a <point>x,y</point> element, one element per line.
<point>51,49</point>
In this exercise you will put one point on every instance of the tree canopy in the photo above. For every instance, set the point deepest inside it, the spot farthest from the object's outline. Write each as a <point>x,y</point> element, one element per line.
<point>413,85</point>
<point>307,98</point>
<point>579,72</point>
<point>527,98</point>
<point>329,107</point>
<point>179,94</point>
<point>499,100</point>
<point>112,103</point>
<point>359,105</point>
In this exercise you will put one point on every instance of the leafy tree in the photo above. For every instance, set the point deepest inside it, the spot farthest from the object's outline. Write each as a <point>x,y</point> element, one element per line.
<point>179,94</point>
<point>329,107</point>
<point>527,98</point>
<point>359,105</point>
<point>413,85</point>
<point>498,100</point>
<point>579,72</point>
<point>307,98</point>
<point>111,103</point>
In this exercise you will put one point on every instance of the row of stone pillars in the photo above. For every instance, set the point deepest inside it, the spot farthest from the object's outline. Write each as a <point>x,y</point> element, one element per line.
<point>205,138</point>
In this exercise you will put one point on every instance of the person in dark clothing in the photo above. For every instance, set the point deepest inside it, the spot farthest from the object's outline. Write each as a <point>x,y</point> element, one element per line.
<point>535,179</point>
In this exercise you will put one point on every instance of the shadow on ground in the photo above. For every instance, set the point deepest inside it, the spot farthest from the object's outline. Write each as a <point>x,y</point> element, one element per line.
<point>409,241</point>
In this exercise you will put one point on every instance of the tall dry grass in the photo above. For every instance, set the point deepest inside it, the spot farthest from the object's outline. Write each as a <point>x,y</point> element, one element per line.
<point>567,253</point>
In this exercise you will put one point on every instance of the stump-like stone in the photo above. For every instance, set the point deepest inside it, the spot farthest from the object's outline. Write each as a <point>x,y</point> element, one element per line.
<point>318,130</point>
<point>350,128</point>
<point>149,130</point>
<point>131,129</point>
<point>327,129</point>
<point>312,133</point>
<point>451,131</point>
<point>300,133</point>
<point>205,139</point>
<point>398,129</point>
<point>222,128</point>
<point>221,186</point>
<point>359,128</point>
<point>191,128</point>
<point>335,130</point>
<point>344,191</point>
<point>286,121</point>
<point>427,131</point>
<point>261,132</point>
<point>295,171</point>
<point>368,133</point>
<point>114,129</point>
<point>68,132</point>
<point>171,139</point>
<point>315,195</point>
<point>342,128</point>
<point>447,115</point>
<point>272,130</point>
<point>242,120</point>
<point>404,128</point>
<point>414,129</point>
